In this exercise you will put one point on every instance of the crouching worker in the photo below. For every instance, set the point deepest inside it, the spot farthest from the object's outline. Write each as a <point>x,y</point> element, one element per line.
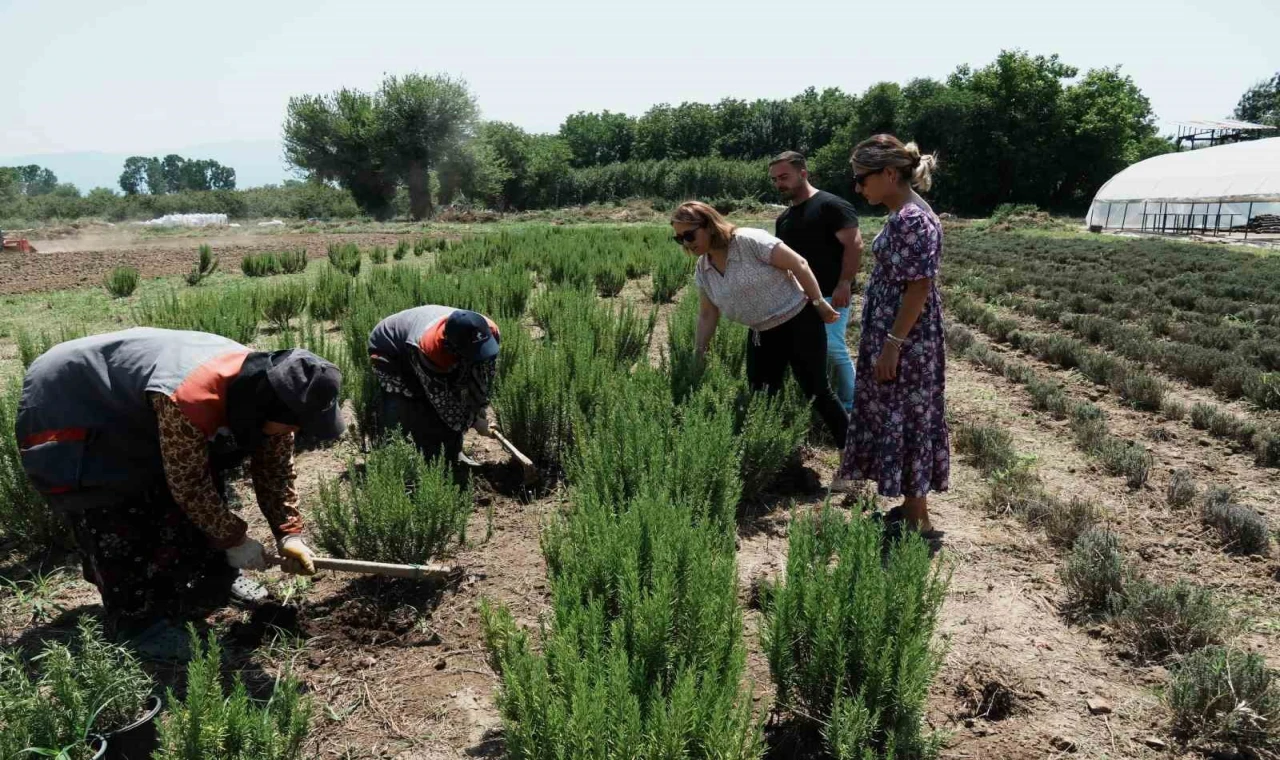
<point>434,366</point>
<point>131,436</point>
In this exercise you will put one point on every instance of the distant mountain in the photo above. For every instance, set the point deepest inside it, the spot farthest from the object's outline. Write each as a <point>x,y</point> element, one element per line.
<point>257,163</point>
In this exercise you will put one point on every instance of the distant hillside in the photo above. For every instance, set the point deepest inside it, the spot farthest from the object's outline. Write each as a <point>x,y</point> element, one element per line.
<point>257,162</point>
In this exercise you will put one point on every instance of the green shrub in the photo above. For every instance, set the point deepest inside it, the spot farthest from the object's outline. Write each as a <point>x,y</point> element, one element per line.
<point>293,262</point>
<point>1094,572</point>
<point>669,276</point>
<point>89,687</point>
<point>260,265</point>
<point>1160,620</point>
<point>1240,529</point>
<point>378,254</point>
<point>1203,415</point>
<point>1143,391</point>
<point>1220,695</point>
<point>1266,448</point>
<point>772,431</point>
<point>345,257</point>
<point>209,723</point>
<point>121,282</point>
<point>849,635</point>
<point>1181,491</point>
<point>1066,521</point>
<point>283,302</point>
<point>1229,382</point>
<point>610,280</point>
<point>1173,409</point>
<point>206,264</point>
<point>399,508</point>
<point>643,655</point>
<point>402,250</point>
<point>1263,389</point>
<point>1120,457</point>
<point>331,294</point>
<point>232,313</point>
<point>989,447</point>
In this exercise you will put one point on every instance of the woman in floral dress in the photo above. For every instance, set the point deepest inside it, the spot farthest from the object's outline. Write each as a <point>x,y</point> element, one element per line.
<point>898,435</point>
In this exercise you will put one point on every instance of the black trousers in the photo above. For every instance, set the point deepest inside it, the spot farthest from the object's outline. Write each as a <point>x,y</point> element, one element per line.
<point>801,344</point>
<point>419,419</point>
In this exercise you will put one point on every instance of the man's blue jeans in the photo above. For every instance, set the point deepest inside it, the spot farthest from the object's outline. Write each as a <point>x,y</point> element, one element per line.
<point>838,358</point>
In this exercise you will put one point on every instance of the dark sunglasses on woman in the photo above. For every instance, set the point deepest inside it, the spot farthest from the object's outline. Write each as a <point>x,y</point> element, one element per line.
<point>860,179</point>
<point>686,237</point>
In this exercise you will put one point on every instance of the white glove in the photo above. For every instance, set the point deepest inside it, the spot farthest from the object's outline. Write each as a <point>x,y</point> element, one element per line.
<point>298,557</point>
<point>482,424</point>
<point>247,555</point>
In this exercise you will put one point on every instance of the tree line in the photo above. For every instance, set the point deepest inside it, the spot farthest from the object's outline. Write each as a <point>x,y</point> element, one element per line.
<point>1025,128</point>
<point>174,174</point>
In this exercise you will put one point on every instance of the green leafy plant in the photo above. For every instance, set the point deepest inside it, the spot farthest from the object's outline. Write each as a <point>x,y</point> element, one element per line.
<point>1224,696</point>
<point>260,265</point>
<point>121,282</point>
<point>1094,572</point>
<point>345,257</point>
<point>283,302</point>
<point>53,703</point>
<point>1241,530</point>
<point>669,276</point>
<point>206,264</point>
<point>292,262</point>
<point>1181,491</point>
<point>1160,620</point>
<point>402,250</point>
<point>398,508</point>
<point>849,636</point>
<point>210,723</point>
<point>378,254</point>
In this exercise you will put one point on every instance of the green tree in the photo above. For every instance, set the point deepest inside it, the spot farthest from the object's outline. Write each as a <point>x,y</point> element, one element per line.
<point>10,186</point>
<point>36,180</point>
<point>222,177</point>
<point>474,171</point>
<point>1261,103</point>
<point>1108,125</point>
<point>370,142</point>
<point>134,175</point>
<point>338,138</point>
<point>171,170</point>
<point>599,138</point>
<point>423,120</point>
<point>513,148</point>
<point>155,177</point>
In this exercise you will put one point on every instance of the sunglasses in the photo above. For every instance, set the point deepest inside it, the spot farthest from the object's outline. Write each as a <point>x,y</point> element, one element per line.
<point>686,237</point>
<point>861,179</point>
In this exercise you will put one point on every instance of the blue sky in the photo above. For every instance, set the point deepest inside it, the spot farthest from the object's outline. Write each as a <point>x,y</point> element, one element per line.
<point>138,76</point>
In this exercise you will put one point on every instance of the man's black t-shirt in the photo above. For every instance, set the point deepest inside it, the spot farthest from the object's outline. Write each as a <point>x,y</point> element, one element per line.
<point>810,229</point>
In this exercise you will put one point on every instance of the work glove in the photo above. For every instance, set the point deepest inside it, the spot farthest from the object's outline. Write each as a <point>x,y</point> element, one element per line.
<point>482,424</point>
<point>298,557</point>
<point>247,555</point>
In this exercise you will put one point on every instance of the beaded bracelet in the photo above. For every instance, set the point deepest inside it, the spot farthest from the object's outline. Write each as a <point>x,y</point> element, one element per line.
<point>894,339</point>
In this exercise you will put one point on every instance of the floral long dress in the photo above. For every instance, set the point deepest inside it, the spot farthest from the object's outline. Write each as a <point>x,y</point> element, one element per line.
<point>898,434</point>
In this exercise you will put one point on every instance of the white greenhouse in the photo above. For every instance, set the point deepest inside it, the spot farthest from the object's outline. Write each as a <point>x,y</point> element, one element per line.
<point>1214,190</point>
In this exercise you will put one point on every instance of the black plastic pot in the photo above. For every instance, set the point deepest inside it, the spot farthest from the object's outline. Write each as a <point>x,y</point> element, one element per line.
<point>136,740</point>
<point>97,745</point>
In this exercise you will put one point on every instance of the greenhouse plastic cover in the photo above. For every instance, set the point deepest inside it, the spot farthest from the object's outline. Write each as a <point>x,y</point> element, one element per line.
<point>1240,173</point>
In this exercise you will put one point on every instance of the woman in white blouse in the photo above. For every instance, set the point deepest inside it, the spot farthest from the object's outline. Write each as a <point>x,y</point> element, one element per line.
<point>752,277</point>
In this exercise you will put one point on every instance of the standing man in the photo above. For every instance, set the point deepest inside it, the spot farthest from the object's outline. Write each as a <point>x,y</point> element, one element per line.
<point>823,228</point>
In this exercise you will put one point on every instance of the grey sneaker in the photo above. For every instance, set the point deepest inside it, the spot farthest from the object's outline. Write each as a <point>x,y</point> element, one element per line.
<point>466,460</point>
<point>245,590</point>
